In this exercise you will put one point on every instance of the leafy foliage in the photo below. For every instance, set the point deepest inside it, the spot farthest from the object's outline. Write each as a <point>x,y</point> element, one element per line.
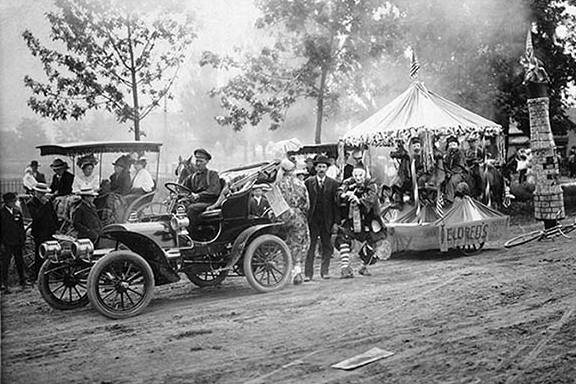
<point>103,52</point>
<point>318,51</point>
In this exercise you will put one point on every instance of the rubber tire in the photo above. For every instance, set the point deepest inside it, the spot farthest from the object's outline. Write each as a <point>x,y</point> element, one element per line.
<point>249,255</point>
<point>202,283</point>
<point>101,265</point>
<point>523,238</point>
<point>48,295</point>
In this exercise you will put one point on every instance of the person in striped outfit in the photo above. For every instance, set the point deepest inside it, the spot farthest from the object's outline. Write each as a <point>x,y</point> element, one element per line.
<point>359,199</point>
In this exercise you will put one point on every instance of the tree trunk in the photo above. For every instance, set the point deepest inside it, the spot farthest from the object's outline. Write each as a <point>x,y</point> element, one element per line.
<point>134,86</point>
<point>320,106</point>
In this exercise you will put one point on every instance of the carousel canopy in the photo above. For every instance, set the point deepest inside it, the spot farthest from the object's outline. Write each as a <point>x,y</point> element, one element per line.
<point>414,111</point>
<point>470,210</point>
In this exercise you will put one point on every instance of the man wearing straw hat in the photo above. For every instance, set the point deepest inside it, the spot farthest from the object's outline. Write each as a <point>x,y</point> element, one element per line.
<point>62,180</point>
<point>85,218</point>
<point>44,222</point>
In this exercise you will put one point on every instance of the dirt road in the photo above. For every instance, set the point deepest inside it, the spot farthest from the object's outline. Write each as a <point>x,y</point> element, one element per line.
<point>503,316</point>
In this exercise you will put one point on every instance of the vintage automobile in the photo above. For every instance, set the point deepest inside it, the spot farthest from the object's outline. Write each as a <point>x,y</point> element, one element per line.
<point>118,277</point>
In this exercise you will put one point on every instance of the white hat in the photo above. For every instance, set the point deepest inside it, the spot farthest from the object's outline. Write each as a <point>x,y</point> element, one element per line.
<point>87,191</point>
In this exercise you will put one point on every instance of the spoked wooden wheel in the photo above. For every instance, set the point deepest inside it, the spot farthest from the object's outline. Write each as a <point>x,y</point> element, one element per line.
<point>120,285</point>
<point>523,238</point>
<point>472,249</point>
<point>64,285</point>
<point>207,279</point>
<point>151,211</point>
<point>267,263</point>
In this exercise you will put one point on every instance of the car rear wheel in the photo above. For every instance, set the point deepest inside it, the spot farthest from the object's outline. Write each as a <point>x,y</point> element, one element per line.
<point>267,263</point>
<point>120,285</point>
<point>207,279</point>
<point>64,285</point>
<point>471,249</point>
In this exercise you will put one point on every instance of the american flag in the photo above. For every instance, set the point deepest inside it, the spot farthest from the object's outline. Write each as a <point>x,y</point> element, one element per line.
<point>440,204</point>
<point>414,66</point>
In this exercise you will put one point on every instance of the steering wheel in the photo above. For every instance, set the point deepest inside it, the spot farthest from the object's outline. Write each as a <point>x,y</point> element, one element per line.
<point>177,188</point>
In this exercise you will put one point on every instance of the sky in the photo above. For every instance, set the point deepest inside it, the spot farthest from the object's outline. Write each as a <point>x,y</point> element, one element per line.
<point>223,24</point>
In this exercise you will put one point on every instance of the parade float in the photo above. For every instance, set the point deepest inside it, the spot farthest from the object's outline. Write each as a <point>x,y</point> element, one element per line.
<point>466,224</point>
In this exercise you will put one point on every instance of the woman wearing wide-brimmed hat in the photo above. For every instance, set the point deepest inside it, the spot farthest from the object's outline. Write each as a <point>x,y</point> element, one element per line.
<point>62,180</point>
<point>87,178</point>
<point>85,218</point>
<point>120,180</point>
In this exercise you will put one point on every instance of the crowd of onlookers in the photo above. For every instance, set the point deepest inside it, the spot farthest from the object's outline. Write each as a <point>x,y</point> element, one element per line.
<point>70,200</point>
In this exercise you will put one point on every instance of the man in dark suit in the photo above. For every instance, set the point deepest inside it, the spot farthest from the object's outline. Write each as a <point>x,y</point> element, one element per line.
<point>204,185</point>
<point>322,216</point>
<point>62,180</point>
<point>44,222</point>
<point>12,238</point>
<point>85,218</point>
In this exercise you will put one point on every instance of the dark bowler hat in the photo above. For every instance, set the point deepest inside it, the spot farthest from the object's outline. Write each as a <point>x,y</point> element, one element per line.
<point>34,163</point>
<point>59,164</point>
<point>9,197</point>
<point>321,160</point>
<point>203,152</point>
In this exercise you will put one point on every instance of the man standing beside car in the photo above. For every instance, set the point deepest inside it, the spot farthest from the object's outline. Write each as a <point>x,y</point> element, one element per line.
<point>322,216</point>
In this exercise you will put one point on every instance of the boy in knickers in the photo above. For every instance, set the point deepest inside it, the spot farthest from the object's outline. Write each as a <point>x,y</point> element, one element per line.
<point>359,199</point>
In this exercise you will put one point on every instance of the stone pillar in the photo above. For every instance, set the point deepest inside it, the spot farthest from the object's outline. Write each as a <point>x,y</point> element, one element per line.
<point>548,195</point>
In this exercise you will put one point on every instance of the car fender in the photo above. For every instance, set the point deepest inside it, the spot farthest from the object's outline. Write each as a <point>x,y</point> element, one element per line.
<point>244,239</point>
<point>149,250</point>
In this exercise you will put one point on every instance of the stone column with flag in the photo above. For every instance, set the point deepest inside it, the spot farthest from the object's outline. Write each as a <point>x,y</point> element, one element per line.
<point>548,195</point>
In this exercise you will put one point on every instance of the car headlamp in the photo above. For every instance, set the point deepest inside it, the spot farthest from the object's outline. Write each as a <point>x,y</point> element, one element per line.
<point>50,250</point>
<point>82,249</point>
<point>180,222</point>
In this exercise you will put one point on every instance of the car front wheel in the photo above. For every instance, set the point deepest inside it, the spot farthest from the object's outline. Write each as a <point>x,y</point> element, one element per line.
<point>267,263</point>
<point>120,285</point>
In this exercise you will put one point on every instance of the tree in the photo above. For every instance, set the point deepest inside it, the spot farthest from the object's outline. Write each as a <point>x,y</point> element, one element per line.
<point>470,51</point>
<point>119,55</point>
<point>319,50</point>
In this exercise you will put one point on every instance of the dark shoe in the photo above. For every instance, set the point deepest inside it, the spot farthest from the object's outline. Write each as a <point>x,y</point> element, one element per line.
<point>307,279</point>
<point>346,273</point>
<point>364,271</point>
<point>325,277</point>
<point>297,279</point>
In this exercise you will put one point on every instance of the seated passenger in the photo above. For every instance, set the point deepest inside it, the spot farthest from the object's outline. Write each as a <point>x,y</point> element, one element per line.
<point>120,182</point>
<point>87,178</point>
<point>85,217</point>
<point>204,184</point>
<point>258,204</point>
<point>62,180</point>
<point>142,182</point>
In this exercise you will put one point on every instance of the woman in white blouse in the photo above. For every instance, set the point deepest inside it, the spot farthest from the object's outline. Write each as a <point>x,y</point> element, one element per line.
<point>87,178</point>
<point>142,182</point>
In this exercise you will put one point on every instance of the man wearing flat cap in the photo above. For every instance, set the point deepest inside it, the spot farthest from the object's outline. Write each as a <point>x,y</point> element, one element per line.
<point>62,180</point>
<point>322,216</point>
<point>204,184</point>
